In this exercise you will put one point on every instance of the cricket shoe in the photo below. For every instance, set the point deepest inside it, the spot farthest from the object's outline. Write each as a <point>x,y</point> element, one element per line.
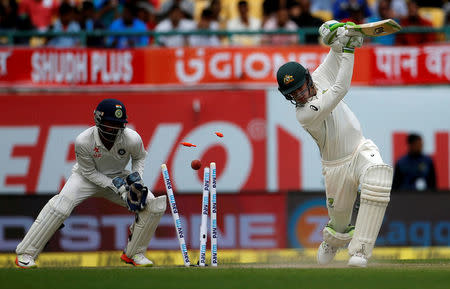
<point>358,260</point>
<point>326,253</point>
<point>137,260</point>
<point>25,261</point>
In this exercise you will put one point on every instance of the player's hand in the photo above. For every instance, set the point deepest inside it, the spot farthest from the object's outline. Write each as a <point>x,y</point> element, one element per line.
<point>134,178</point>
<point>328,31</point>
<point>355,39</point>
<point>335,35</point>
<point>136,197</point>
<point>120,186</point>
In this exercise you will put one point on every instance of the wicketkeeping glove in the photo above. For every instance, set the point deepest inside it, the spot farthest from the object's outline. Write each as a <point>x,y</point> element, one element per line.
<point>134,178</point>
<point>120,187</point>
<point>137,197</point>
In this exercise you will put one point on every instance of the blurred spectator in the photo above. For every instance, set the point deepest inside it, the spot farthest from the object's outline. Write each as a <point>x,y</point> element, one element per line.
<point>65,23</point>
<point>244,23</point>
<point>186,6</point>
<point>430,3</point>
<point>216,7</point>
<point>413,19</point>
<point>205,23</point>
<point>176,21</point>
<point>414,171</point>
<point>270,7</point>
<point>301,15</point>
<point>399,8</point>
<point>108,10</point>
<point>280,21</point>
<point>343,8</point>
<point>384,12</point>
<point>40,12</point>
<point>8,14</point>
<point>321,5</point>
<point>447,13</point>
<point>89,23</point>
<point>128,22</point>
<point>147,14</point>
<point>356,14</point>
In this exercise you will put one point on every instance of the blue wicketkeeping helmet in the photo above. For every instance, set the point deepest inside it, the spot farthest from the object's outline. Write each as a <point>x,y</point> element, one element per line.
<point>110,117</point>
<point>110,109</point>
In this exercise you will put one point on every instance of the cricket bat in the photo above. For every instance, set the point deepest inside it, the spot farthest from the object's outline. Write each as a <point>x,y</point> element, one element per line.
<point>374,29</point>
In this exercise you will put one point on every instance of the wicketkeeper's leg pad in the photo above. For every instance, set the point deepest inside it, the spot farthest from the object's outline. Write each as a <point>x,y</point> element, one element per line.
<point>145,226</point>
<point>336,239</point>
<point>48,221</point>
<point>375,195</point>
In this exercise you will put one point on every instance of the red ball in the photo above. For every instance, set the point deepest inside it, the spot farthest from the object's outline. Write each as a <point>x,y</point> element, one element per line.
<point>196,164</point>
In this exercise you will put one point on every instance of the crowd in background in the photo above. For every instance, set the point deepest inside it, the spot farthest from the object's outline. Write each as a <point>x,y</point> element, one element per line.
<point>191,15</point>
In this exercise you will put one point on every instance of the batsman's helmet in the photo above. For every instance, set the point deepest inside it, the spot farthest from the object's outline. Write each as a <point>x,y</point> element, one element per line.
<point>290,77</point>
<point>114,113</point>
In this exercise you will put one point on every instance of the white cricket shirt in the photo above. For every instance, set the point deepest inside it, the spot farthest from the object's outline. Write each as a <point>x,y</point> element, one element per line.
<point>326,117</point>
<point>99,165</point>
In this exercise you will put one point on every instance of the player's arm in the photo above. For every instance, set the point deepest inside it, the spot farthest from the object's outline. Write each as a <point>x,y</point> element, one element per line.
<point>327,71</point>
<point>333,34</point>
<point>316,111</point>
<point>88,170</point>
<point>138,154</point>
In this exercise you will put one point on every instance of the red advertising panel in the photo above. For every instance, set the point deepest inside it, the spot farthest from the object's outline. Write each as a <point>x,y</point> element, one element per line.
<point>38,153</point>
<point>215,67</point>
<point>411,64</point>
<point>25,67</point>
<point>250,221</point>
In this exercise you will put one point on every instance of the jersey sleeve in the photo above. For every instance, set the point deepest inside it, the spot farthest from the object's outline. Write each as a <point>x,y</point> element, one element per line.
<point>87,167</point>
<point>317,110</point>
<point>327,72</point>
<point>138,154</point>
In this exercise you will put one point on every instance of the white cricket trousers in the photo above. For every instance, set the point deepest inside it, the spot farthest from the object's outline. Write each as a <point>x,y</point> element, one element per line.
<point>76,190</point>
<point>342,178</point>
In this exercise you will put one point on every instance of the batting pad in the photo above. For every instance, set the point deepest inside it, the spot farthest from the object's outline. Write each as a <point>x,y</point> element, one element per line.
<point>145,226</point>
<point>336,239</point>
<point>48,221</point>
<point>375,192</point>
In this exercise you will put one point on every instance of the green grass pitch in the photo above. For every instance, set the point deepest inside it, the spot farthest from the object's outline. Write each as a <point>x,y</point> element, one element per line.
<point>407,275</point>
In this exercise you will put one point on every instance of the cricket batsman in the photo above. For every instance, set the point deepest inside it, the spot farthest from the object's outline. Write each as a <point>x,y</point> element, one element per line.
<point>348,159</point>
<point>102,153</point>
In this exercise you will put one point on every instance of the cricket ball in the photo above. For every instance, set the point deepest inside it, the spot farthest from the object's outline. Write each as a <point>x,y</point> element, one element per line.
<point>196,164</point>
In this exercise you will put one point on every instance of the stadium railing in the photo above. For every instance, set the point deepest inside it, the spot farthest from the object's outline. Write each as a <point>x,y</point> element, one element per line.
<point>9,36</point>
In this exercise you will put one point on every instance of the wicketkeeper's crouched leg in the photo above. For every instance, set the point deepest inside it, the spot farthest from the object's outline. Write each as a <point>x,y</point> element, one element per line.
<point>143,230</point>
<point>48,221</point>
<point>375,195</point>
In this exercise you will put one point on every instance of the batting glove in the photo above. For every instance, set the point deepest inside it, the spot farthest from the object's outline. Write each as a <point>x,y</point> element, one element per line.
<point>349,42</point>
<point>328,31</point>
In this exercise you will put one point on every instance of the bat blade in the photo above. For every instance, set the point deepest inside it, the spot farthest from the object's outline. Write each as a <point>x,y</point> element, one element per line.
<point>375,29</point>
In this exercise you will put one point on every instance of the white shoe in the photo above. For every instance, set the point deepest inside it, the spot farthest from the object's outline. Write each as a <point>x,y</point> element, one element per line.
<point>358,260</point>
<point>325,253</point>
<point>137,260</point>
<point>25,261</point>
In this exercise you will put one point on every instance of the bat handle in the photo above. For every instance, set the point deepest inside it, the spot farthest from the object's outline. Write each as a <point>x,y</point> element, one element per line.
<point>353,32</point>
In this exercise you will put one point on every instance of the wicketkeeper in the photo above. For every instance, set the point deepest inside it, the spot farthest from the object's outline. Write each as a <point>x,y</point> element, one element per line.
<point>348,159</point>
<point>102,153</point>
